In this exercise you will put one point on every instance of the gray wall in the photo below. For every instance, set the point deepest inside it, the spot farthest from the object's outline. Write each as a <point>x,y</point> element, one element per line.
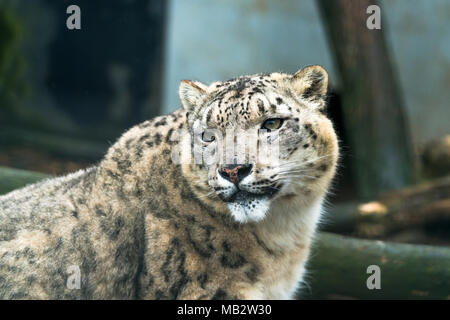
<point>220,39</point>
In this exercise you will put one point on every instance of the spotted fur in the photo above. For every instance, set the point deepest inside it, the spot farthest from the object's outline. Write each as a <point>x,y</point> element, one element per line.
<point>141,226</point>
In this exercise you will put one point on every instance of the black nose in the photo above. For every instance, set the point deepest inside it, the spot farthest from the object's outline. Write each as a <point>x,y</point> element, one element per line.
<point>235,172</point>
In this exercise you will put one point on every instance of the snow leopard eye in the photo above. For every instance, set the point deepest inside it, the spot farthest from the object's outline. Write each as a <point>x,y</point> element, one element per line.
<point>208,136</point>
<point>272,124</point>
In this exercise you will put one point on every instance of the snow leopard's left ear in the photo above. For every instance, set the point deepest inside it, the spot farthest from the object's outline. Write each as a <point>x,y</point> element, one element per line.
<point>311,83</point>
<point>192,94</point>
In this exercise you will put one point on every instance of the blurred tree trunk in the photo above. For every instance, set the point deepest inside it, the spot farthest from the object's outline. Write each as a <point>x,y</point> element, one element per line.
<point>373,110</point>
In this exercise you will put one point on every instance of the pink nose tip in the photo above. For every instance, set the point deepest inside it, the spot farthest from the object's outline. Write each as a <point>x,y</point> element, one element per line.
<point>235,173</point>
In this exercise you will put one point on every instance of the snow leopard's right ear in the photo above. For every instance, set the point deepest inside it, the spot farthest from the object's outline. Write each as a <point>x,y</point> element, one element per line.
<point>311,83</point>
<point>192,94</point>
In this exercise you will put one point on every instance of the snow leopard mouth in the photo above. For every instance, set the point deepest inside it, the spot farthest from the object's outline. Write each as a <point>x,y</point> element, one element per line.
<point>241,196</point>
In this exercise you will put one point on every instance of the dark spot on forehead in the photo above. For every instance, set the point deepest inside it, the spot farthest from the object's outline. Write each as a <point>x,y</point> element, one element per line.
<point>260,104</point>
<point>256,90</point>
<point>161,122</point>
<point>240,84</point>
<point>208,116</point>
<point>157,138</point>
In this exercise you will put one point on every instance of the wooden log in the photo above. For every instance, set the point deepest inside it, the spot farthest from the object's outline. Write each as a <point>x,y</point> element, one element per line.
<point>436,157</point>
<point>11,179</point>
<point>373,109</point>
<point>338,268</point>
<point>394,211</point>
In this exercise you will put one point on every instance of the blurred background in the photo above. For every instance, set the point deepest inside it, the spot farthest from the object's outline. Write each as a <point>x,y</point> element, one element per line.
<point>66,95</point>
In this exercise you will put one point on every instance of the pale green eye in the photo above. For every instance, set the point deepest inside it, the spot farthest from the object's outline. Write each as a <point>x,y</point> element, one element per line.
<point>272,124</point>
